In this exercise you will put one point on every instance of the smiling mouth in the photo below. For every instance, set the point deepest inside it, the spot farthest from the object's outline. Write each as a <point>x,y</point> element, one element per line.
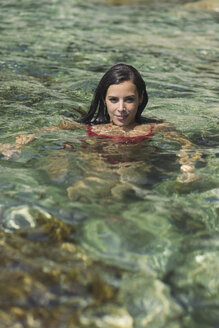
<point>121,117</point>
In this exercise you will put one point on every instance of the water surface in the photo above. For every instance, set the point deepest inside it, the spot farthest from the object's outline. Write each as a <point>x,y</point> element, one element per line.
<point>96,234</point>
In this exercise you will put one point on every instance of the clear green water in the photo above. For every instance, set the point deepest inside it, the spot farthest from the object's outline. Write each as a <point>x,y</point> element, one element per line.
<point>134,247</point>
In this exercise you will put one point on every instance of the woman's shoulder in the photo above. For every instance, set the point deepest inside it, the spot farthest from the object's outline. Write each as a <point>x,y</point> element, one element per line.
<point>157,125</point>
<point>164,127</point>
<point>150,120</point>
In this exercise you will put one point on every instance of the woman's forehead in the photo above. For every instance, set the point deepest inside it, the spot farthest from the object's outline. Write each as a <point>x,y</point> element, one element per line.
<point>126,87</point>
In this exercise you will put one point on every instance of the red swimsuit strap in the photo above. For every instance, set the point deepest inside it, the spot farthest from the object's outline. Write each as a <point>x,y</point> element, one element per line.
<point>120,138</point>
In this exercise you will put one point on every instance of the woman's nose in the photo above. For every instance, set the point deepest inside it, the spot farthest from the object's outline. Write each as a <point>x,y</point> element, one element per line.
<point>121,105</point>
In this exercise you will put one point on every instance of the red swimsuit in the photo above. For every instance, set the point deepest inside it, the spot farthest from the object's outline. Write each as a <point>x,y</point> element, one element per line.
<point>120,138</point>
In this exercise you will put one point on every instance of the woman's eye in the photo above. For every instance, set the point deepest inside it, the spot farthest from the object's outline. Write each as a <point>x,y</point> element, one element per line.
<point>130,99</point>
<point>113,100</point>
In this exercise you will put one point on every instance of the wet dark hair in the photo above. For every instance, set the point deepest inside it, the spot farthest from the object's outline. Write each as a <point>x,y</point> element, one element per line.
<point>117,74</point>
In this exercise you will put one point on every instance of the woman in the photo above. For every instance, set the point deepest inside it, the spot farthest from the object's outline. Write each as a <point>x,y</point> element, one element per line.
<point>115,113</point>
<point>117,105</point>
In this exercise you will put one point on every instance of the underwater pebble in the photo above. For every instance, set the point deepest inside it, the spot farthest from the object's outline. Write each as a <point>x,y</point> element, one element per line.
<point>19,218</point>
<point>22,217</point>
<point>152,305</point>
<point>115,318</point>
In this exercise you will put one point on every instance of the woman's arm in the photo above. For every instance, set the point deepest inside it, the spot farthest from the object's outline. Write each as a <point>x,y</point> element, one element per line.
<point>188,154</point>
<point>63,125</point>
<point>8,150</point>
<point>69,125</point>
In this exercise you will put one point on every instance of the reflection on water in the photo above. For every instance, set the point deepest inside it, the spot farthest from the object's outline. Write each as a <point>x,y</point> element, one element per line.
<point>93,233</point>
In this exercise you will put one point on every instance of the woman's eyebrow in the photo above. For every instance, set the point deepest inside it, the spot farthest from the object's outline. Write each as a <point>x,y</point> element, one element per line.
<point>111,96</point>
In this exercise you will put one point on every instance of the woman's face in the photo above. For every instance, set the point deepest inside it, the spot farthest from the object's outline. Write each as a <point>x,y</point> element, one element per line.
<point>122,101</point>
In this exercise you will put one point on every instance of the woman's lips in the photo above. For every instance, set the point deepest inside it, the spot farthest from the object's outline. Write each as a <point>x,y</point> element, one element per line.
<point>122,117</point>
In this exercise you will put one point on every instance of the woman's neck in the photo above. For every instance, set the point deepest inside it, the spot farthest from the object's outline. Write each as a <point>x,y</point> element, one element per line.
<point>125,128</point>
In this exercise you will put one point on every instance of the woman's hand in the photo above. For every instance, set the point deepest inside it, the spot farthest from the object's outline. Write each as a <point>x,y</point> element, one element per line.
<point>9,150</point>
<point>24,140</point>
<point>188,158</point>
<point>14,149</point>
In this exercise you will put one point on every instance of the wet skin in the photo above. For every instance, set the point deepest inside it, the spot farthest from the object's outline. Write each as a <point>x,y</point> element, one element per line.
<point>122,101</point>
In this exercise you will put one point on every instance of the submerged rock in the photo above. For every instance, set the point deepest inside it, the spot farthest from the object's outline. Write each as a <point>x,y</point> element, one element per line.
<point>152,305</point>
<point>110,316</point>
<point>195,280</point>
<point>52,283</point>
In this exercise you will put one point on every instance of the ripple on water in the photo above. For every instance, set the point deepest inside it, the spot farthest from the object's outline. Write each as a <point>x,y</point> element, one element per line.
<point>139,248</point>
<point>194,280</point>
